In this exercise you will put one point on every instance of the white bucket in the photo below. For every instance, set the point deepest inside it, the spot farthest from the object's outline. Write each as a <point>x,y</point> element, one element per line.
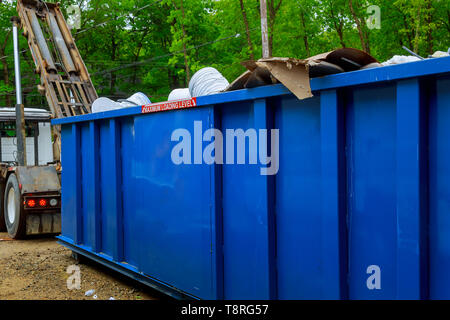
<point>207,81</point>
<point>179,94</point>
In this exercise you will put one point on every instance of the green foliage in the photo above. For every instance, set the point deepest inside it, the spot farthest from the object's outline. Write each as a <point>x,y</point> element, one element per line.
<point>152,45</point>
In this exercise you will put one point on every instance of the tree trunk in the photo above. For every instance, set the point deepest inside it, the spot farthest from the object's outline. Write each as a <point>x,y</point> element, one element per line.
<point>174,82</point>
<point>429,31</point>
<point>113,58</point>
<point>359,27</point>
<point>136,58</point>
<point>186,64</point>
<point>6,80</point>
<point>305,33</point>
<point>247,30</point>
<point>366,36</point>
<point>5,69</point>
<point>417,35</point>
<point>273,10</point>
<point>340,32</point>
<point>408,34</point>
<point>448,18</point>
<point>338,27</point>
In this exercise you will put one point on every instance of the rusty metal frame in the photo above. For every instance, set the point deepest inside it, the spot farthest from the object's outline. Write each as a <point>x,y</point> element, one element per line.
<point>65,80</point>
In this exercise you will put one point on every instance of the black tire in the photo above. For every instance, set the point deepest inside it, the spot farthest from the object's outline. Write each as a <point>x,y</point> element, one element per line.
<point>15,218</point>
<point>2,209</point>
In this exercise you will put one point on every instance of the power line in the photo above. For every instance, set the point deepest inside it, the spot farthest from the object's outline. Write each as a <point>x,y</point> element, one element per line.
<point>126,76</point>
<point>162,56</point>
<point>168,54</point>
<point>98,25</point>
<point>119,17</point>
<point>4,57</point>
<point>102,63</point>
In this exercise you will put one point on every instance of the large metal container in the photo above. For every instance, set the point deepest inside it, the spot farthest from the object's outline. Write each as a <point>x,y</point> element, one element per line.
<point>359,209</point>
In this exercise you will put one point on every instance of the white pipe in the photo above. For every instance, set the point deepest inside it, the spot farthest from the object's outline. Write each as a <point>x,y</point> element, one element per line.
<point>17,64</point>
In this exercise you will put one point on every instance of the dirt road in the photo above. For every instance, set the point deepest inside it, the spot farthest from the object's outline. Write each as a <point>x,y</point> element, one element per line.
<point>36,269</point>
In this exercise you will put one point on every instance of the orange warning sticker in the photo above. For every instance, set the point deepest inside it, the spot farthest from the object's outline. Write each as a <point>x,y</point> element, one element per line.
<point>170,105</point>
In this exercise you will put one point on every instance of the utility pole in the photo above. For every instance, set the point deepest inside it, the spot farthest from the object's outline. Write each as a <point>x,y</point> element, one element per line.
<point>264,31</point>
<point>20,116</point>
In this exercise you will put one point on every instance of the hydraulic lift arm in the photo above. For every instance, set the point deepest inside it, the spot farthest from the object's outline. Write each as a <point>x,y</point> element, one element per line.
<point>65,80</point>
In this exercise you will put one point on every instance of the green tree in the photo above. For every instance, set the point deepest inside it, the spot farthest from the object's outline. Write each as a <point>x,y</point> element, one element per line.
<point>155,46</point>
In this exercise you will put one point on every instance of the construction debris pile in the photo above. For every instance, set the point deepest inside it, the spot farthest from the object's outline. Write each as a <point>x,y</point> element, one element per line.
<point>295,74</point>
<point>204,82</point>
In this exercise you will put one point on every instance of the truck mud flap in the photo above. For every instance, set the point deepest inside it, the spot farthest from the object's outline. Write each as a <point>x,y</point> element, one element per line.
<point>43,223</point>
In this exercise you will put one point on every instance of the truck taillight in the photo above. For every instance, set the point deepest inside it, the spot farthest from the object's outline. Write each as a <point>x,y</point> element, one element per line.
<point>41,203</point>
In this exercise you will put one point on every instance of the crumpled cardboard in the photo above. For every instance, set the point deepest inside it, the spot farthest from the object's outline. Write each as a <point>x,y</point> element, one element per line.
<point>295,74</point>
<point>292,73</point>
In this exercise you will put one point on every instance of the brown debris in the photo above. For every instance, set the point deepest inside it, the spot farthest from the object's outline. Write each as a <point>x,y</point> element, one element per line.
<point>295,74</point>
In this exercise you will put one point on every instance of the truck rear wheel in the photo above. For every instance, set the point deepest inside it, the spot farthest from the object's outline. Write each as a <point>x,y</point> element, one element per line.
<point>15,219</point>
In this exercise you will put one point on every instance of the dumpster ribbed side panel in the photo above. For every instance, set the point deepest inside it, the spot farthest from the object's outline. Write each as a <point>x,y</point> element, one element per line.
<point>371,195</point>
<point>107,191</point>
<point>142,209</point>
<point>246,205</point>
<point>132,223</point>
<point>171,204</point>
<point>70,152</point>
<point>87,189</point>
<point>298,201</point>
<point>412,188</point>
<point>359,208</point>
<point>333,195</point>
<point>439,189</point>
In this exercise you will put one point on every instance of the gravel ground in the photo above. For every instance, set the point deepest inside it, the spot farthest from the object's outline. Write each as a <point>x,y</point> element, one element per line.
<point>36,269</point>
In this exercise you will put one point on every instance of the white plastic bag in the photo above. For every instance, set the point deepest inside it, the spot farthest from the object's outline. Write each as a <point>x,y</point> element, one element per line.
<point>399,60</point>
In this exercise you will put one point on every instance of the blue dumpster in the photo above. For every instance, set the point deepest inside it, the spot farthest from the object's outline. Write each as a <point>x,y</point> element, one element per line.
<point>359,207</point>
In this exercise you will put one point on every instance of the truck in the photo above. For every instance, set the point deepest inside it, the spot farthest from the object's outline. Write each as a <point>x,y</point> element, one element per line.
<point>31,199</point>
<point>30,186</point>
